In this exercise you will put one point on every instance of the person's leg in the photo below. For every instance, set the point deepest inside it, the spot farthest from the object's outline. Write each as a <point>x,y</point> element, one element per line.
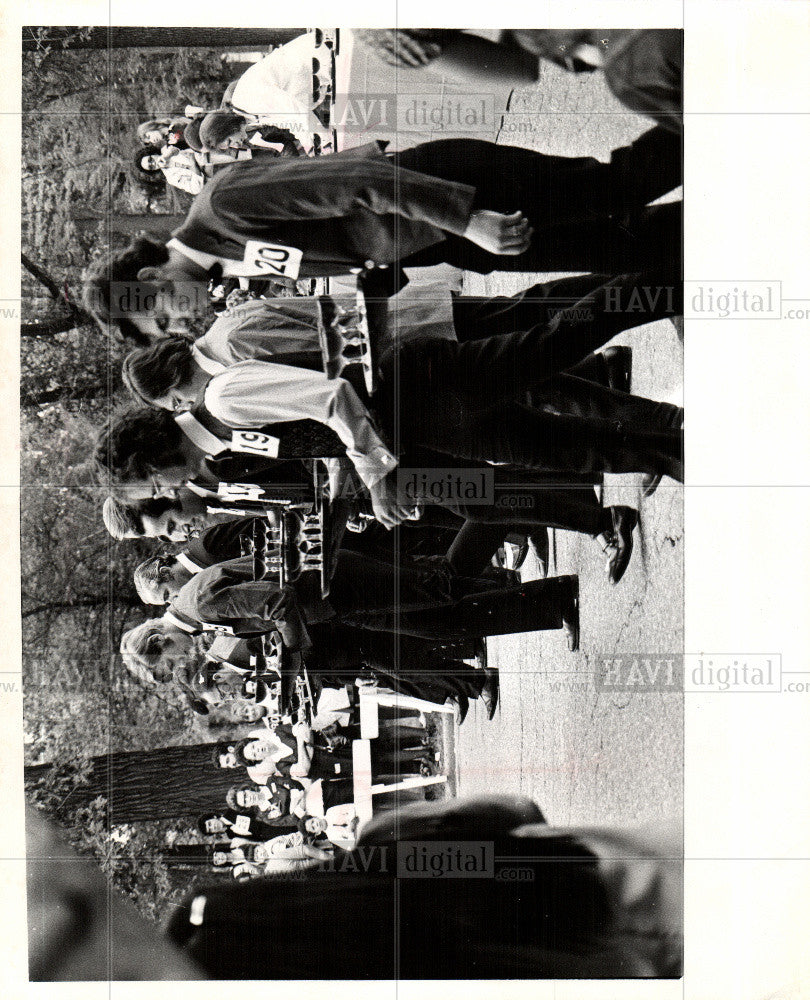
<point>506,366</point>
<point>414,666</point>
<point>472,548</point>
<point>445,381</point>
<point>361,583</point>
<point>529,438</point>
<point>476,317</point>
<point>521,505</point>
<point>649,238</point>
<point>533,607</point>
<point>484,531</point>
<point>554,190</point>
<point>583,398</point>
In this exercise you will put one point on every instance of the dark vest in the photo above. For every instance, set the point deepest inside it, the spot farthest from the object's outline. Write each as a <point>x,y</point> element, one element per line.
<point>297,438</point>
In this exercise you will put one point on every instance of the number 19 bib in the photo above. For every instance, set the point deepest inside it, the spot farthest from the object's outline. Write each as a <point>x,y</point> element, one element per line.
<point>255,443</point>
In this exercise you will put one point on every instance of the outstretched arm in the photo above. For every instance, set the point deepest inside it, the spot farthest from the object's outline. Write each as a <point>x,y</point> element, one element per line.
<point>339,185</point>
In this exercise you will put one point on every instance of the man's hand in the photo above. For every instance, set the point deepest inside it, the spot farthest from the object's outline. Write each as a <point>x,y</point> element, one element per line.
<point>318,853</point>
<point>301,731</point>
<point>509,235</point>
<point>399,48</point>
<point>391,505</point>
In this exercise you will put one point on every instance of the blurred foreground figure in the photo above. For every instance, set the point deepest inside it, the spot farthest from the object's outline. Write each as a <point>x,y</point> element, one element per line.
<point>80,930</point>
<point>643,68</point>
<point>551,903</point>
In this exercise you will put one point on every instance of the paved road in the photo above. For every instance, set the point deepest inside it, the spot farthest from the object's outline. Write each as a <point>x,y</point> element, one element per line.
<point>586,756</point>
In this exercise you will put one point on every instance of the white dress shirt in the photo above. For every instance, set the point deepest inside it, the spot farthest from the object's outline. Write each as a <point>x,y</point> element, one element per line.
<point>255,393</point>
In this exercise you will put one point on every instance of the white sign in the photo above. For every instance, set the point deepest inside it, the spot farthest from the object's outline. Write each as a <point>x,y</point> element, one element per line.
<point>255,443</point>
<point>272,259</point>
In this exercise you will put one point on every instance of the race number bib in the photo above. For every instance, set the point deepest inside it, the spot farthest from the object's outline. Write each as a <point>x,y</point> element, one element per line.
<point>241,826</point>
<point>272,259</point>
<point>239,491</point>
<point>255,443</point>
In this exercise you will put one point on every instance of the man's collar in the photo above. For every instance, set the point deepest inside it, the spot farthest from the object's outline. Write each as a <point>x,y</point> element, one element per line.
<point>208,365</point>
<point>188,563</point>
<point>181,621</point>
<point>204,260</point>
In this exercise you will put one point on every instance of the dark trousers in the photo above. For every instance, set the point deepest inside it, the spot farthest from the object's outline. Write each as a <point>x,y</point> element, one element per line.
<point>462,399</point>
<point>409,665</point>
<point>581,391</point>
<point>478,317</point>
<point>533,607</point>
<point>362,584</point>
<point>586,214</point>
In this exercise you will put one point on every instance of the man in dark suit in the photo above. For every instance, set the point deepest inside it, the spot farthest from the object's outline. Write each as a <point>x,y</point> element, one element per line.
<point>473,204</point>
<point>219,543</point>
<point>226,598</point>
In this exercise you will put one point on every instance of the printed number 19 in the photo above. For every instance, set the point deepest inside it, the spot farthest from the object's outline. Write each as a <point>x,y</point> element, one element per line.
<point>253,441</point>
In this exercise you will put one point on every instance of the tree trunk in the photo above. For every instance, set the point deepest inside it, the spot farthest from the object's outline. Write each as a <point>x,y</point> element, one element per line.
<point>145,785</point>
<point>186,855</point>
<point>156,225</point>
<point>80,602</point>
<point>50,327</point>
<point>143,38</point>
<point>35,398</point>
<point>42,277</point>
<point>58,294</point>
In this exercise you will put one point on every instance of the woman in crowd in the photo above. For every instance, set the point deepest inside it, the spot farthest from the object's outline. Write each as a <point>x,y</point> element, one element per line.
<point>179,167</point>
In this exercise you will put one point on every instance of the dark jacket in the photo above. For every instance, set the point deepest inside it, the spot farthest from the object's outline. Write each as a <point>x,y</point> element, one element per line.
<point>341,210</point>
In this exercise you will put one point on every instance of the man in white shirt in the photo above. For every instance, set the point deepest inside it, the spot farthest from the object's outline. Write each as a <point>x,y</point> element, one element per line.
<point>460,400</point>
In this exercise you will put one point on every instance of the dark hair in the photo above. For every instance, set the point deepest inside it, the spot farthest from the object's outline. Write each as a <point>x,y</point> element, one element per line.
<point>240,746</point>
<point>310,838</point>
<point>239,750</point>
<point>152,372</point>
<point>136,441</point>
<point>218,126</point>
<point>219,751</point>
<point>204,818</point>
<point>191,134</point>
<point>137,160</point>
<point>121,266</point>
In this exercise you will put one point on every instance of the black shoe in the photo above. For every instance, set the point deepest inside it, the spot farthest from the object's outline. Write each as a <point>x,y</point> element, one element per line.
<point>490,692</point>
<point>540,543</point>
<point>512,554</point>
<point>570,615</point>
<point>625,520</point>
<point>619,365</point>
<point>463,703</point>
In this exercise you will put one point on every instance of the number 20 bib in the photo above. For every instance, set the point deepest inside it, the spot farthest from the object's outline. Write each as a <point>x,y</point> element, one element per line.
<point>272,259</point>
